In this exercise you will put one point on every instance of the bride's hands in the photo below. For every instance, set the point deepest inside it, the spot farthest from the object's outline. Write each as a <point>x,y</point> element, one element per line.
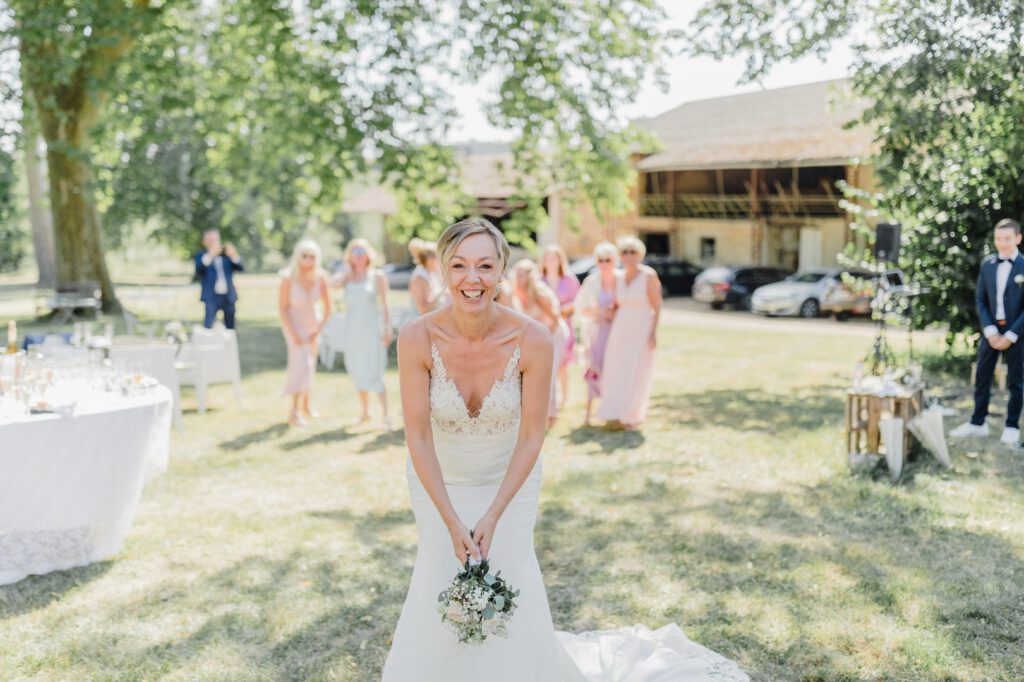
<point>483,533</point>
<point>462,543</point>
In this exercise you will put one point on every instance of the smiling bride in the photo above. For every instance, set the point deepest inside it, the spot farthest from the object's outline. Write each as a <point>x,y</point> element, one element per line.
<point>475,385</point>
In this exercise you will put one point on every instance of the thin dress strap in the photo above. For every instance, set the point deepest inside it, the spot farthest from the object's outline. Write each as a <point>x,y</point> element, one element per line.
<point>437,365</point>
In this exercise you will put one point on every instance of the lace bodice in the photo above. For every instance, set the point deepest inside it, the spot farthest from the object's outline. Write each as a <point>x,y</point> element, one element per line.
<point>499,411</point>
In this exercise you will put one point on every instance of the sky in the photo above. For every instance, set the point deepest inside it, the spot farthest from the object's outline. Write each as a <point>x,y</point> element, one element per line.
<point>690,79</point>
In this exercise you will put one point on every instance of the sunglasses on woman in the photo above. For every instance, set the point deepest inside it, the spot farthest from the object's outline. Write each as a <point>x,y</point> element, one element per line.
<point>628,252</point>
<point>604,260</point>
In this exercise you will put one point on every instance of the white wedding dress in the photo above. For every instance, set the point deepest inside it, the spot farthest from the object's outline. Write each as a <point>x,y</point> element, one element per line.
<point>473,453</point>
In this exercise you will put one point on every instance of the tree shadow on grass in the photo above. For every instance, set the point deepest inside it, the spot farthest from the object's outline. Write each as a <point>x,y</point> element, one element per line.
<point>608,440</point>
<point>754,409</point>
<point>39,591</point>
<point>253,612</point>
<point>384,440</point>
<point>253,437</point>
<point>322,438</point>
<point>886,552</point>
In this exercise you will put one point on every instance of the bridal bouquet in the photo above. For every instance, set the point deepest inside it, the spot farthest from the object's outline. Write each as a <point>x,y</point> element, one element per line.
<point>477,604</point>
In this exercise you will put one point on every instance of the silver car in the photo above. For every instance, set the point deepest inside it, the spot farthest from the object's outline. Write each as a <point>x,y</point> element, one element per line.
<point>797,295</point>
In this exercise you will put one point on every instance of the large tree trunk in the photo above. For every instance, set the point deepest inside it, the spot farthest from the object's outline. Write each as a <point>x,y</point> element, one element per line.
<point>39,210</point>
<point>68,92</point>
<point>76,223</point>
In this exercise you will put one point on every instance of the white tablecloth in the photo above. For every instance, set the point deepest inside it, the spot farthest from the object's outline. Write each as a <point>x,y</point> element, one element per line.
<point>69,486</point>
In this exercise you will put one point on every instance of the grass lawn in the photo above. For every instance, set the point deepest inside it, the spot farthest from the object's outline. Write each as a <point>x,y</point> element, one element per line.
<point>270,553</point>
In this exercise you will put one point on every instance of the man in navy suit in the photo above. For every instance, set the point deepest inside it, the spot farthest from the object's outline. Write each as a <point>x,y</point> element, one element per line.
<point>1000,300</point>
<point>215,267</point>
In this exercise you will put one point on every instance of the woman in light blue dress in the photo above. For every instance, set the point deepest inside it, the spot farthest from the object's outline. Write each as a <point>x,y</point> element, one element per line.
<point>367,325</point>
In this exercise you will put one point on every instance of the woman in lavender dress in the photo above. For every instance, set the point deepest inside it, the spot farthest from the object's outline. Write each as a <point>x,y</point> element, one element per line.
<point>595,305</point>
<point>554,269</point>
<point>303,286</point>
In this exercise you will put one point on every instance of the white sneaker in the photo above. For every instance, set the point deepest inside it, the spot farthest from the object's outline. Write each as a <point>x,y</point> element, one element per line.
<point>1011,436</point>
<point>969,430</point>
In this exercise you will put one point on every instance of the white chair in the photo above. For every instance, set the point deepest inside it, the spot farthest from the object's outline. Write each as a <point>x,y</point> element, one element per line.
<point>211,358</point>
<point>332,340</point>
<point>157,360</point>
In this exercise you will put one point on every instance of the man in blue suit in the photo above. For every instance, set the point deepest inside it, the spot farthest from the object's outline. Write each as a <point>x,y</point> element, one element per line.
<point>1000,299</point>
<point>215,268</point>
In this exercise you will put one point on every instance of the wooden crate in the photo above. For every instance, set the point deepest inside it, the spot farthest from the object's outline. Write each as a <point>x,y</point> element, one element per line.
<point>865,409</point>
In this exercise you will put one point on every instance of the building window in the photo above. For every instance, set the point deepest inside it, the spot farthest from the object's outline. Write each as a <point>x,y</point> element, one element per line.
<point>707,249</point>
<point>656,242</point>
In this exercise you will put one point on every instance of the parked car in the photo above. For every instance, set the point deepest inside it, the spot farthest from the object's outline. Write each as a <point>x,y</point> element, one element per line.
<point>854,294</point>
<point>800,294</point>
<point>398,274</point>
<point>581,267</point>
<point>721,286</point>
<point>676,275</point>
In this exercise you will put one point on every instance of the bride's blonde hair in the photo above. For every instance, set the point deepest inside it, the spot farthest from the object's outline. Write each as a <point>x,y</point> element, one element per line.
<point>460,231</point>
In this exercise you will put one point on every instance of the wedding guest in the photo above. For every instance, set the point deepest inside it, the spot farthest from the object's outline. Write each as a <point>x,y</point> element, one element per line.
<point>531,296</point>
<point>303,286</point>
<point>628,368</point>
<point>554,269</point>
<point>504,293</point>
<point>215,268</point>
<point>1000,301</point>
<point>367,325</point>
<point>595,305</point>
<point>426,286</point>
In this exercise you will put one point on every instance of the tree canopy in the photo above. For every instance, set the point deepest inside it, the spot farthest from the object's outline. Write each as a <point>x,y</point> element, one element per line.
<point>944,81</point>
<point>255,116</point>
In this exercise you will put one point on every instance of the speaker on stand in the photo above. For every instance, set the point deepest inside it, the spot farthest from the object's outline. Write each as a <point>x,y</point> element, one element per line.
<point>887,243</point>
<point>886,251</point>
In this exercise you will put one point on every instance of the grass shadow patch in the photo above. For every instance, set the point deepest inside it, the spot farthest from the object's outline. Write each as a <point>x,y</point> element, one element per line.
<point>39,591</point>
<point>254,437</point>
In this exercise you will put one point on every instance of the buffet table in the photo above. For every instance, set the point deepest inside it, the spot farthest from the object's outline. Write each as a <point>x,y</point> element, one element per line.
<point>69,485</point>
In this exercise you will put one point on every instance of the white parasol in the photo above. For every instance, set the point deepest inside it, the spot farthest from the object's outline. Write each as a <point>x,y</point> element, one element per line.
<point>927,427</point>
<point>891,430</point>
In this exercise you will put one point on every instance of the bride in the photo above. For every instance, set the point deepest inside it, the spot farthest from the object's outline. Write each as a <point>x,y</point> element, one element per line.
<point>475,381</point>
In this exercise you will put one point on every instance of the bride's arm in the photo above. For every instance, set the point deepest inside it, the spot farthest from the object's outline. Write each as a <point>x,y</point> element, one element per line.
<point>535,362</point>
<point>414,379</point>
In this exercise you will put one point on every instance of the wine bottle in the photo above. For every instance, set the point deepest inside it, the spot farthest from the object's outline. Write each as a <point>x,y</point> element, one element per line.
<point>12,337</point>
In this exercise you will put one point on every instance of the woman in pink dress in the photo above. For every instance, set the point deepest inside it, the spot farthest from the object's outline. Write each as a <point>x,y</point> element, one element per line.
<point>303,285</point>
<point>595,305</point>
<point>629,356</point>
<point>554,269</point>
<point>531,296</point>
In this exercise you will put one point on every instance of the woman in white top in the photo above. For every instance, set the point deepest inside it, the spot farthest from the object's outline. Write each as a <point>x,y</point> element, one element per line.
<point>595,304</point>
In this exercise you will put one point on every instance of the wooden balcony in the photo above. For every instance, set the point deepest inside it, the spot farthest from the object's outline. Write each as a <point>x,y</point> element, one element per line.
<point>738,205</point>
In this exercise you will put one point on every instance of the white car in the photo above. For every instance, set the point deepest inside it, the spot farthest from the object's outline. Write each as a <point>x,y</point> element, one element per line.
<point>857,295</point>
<point>797,295</point>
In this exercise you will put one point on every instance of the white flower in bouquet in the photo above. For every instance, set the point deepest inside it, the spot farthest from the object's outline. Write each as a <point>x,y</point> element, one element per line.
<point>477,604</point>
